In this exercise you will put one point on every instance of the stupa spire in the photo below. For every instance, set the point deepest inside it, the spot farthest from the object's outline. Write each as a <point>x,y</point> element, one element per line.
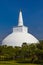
<point>20,21</point>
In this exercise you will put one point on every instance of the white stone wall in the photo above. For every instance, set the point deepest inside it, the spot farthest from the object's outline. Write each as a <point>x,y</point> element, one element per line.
<point>20,29</point>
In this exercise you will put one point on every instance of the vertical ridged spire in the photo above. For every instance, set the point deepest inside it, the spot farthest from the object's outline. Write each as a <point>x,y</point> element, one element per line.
<point>20,21</point>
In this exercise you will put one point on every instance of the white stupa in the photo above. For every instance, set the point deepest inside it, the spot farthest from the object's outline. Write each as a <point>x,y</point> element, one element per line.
<point>19,35</point>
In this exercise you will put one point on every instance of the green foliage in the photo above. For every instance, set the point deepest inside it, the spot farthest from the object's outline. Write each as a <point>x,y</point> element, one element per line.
<point>14,63</point>
<point>32,53</point>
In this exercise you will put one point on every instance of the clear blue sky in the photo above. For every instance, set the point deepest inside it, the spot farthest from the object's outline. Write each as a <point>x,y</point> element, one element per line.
<point>32,15</point>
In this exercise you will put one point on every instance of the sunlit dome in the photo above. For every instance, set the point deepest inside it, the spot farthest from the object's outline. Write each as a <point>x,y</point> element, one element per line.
<point>19,35</point>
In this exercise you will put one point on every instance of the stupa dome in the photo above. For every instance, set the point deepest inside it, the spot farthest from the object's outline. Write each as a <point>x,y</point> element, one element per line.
<point>19,35</point>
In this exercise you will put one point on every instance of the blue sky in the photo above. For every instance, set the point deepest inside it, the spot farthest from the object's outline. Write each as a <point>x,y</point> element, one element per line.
<point>32,15</point>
